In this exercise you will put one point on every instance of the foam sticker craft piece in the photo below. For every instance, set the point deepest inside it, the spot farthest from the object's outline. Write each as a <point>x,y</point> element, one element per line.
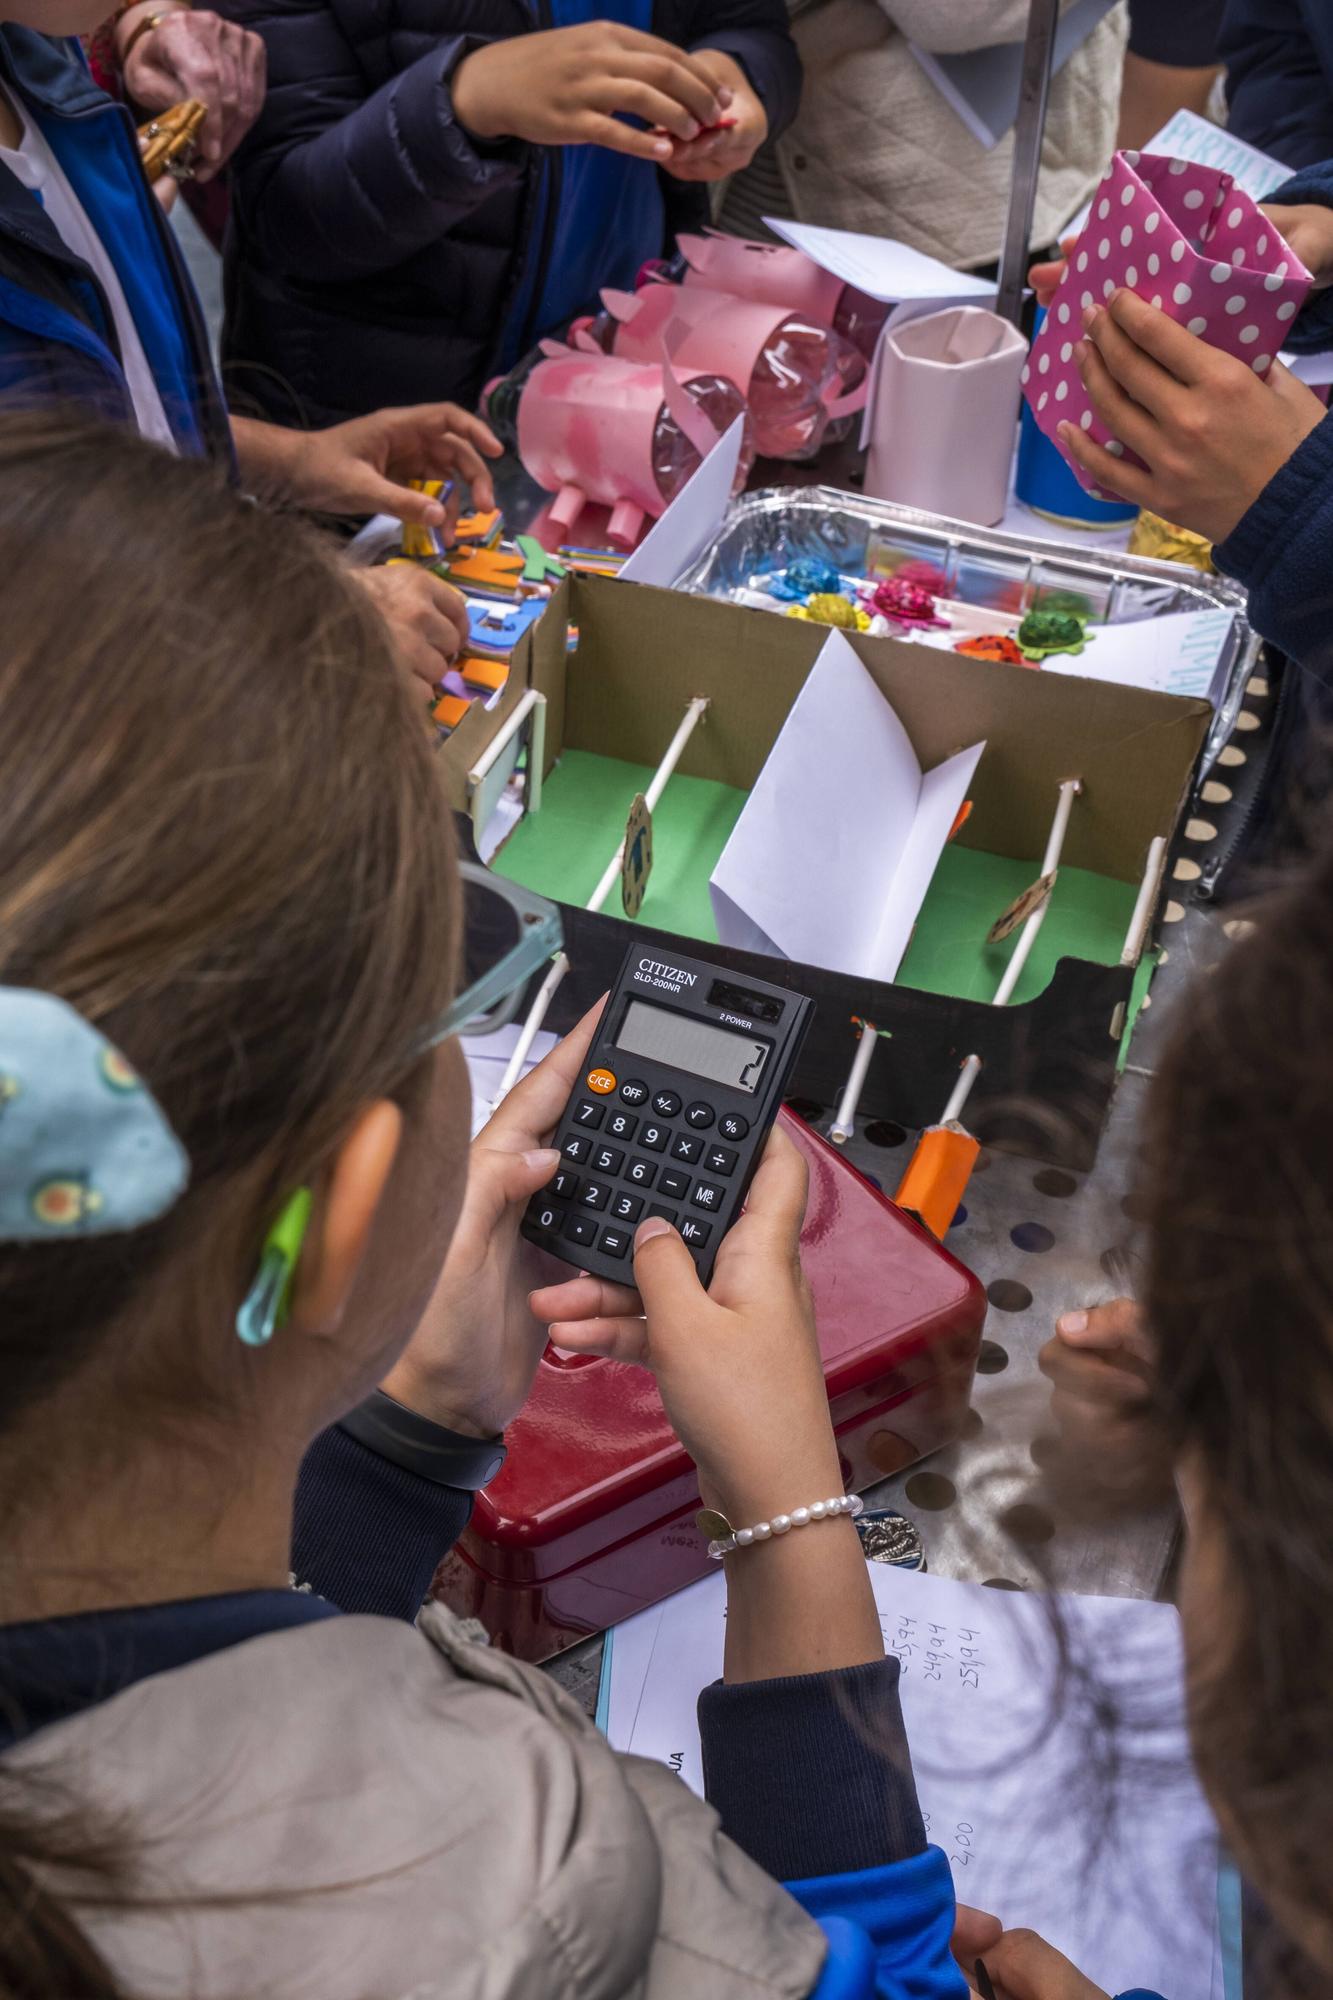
<point>1189,241</point>
<point>495,629</point>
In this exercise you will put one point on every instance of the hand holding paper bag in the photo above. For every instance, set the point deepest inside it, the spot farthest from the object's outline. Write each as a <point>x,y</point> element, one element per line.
<point>831,859</point>
<point>1192,244</point>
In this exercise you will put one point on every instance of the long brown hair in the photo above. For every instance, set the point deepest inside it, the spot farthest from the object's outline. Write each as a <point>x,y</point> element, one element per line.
<point>222,839</point>
<point>1239,1157</point>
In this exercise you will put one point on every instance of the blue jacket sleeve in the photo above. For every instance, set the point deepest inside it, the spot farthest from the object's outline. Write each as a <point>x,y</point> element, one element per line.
<point>1279,62</point>
<point>811,1774</point>
<point>368,1534</point>
<point>1282,551</point>
<point>756,35</point>
<point>888,1931</point>
<point>338,181</point>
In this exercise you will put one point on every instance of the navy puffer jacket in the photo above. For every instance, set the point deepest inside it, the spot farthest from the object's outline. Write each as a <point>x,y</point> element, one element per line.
<point>375,246</point>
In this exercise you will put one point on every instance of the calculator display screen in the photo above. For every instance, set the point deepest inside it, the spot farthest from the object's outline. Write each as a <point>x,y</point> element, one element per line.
<point>720,1054</point>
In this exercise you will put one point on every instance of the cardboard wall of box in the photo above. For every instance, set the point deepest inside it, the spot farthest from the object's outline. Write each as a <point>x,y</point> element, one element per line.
<point>1048,1064</point>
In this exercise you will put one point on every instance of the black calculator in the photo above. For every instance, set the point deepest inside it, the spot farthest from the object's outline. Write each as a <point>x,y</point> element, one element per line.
<point>685,1075</point>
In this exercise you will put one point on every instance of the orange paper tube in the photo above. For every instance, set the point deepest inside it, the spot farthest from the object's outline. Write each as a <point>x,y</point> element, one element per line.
<point>937,1176</point>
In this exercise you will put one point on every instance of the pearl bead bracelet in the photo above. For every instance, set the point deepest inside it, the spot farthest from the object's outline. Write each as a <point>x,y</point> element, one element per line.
<point>724,1539</point>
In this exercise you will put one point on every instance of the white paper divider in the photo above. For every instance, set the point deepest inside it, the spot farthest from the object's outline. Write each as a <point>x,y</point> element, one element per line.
<point>833,854</point>
<point>679,536</point>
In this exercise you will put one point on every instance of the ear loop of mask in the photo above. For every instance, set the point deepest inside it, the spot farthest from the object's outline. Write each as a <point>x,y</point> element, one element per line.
<point>268,1302</point>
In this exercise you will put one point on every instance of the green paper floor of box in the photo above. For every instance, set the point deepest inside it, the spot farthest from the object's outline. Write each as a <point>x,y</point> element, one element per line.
<point>562,850</point>
<point>1088,918</point>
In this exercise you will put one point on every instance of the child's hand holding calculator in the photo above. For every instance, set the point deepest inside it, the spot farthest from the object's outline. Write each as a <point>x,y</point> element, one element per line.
<point>684,1077</point>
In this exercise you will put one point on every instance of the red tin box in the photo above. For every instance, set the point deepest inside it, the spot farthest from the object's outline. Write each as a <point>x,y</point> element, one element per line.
<point>592,1517</point>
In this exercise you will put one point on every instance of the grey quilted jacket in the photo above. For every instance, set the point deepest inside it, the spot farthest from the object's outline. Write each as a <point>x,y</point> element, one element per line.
<point>362,1810</point>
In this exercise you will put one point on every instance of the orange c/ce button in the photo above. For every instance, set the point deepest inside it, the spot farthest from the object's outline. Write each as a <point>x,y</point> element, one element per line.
<point>602,1081</point>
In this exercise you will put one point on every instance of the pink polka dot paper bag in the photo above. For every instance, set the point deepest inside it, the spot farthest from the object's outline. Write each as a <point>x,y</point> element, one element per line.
<point>1186,239</point>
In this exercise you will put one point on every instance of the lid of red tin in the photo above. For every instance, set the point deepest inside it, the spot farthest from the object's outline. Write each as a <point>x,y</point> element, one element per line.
<point>592,1459</point>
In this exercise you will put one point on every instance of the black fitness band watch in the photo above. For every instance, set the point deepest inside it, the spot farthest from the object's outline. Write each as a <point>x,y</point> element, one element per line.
<point>444,1457</point>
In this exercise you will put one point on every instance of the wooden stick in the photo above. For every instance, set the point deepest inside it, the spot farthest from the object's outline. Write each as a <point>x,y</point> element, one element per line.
<point>844,1118</point>
<point>560,963</point>
<point>1138,923</point>
<point>1027,937</point>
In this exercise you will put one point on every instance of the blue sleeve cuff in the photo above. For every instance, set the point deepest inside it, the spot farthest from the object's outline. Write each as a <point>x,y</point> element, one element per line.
<point>811,1774</point>
<point>888,1931</point>
<point>1279,549</point>
<point>368,1534</point>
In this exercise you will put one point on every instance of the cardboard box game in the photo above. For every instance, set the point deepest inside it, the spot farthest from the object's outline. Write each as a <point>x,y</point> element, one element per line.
<point>612,701</point>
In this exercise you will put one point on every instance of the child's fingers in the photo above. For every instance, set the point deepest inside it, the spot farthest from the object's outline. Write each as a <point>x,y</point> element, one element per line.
<point>635,98</point>
<point>1116,1325</point>
<point>1111,474</point>
<point>1124,418</point>
<point>1044,280</point>
<point>677,79</point>
<point>775,1204</point>
<point>1181,353</point>
<point>665,1274</point>
<point>584,1298</point>
<point>594,128</point>
<point>1108,1380</point>
<point>1135,370</point>
<point>1023,1966</point>
<point>974,1931</point>
<point>614,1339</point>
<point>533,1106</point>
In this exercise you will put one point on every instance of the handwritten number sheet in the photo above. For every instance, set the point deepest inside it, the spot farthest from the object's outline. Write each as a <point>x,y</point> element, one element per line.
<point>1048,1741</point>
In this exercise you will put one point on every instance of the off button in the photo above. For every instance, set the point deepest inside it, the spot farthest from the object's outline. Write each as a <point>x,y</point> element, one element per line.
<point>602,1081</point>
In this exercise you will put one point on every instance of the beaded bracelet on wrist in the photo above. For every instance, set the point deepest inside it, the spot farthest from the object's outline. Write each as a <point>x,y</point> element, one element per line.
<point>724,1539</point>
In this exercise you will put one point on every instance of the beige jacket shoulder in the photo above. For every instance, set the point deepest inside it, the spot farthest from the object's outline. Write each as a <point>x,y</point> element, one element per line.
<point>875,147</point>
<point>358,1810</point>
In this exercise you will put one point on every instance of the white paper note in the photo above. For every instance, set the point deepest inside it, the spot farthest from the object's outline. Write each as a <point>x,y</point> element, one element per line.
<point>830,861</point>
<point>880,266</point>
<point>1181,653</point>
<point>1121,1878</point>
<point>487,1056</point>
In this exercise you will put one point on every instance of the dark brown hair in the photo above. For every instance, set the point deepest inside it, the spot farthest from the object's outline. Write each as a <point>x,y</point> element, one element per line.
<point>1239,1160</point>
<point>223,840</point>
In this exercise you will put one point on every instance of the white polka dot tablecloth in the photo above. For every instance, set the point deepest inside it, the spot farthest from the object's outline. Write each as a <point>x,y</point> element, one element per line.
<point>1185,238</point>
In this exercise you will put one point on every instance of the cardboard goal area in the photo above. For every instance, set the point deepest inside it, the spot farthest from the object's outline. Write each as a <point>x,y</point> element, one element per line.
<point>614,697</point>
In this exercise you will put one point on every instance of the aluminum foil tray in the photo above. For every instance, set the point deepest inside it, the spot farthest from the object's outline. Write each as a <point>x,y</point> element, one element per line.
<point>765,531</point>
